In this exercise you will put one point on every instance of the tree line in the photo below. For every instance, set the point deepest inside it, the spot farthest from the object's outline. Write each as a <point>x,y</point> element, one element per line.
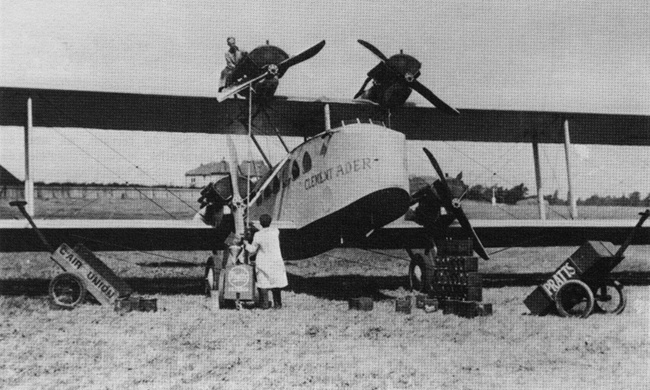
<point>512,195</point>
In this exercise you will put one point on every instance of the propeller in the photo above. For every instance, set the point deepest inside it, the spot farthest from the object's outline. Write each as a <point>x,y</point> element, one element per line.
<point>272,70</point>
<point>237,204</point>
<point>427,94</point>
<point>373,49</point>
<point>453,206</point>
<point>227,92</point>
<point>411,81</point>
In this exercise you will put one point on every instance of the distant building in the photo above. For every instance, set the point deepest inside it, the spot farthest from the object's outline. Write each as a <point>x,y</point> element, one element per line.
<point>211,172</point>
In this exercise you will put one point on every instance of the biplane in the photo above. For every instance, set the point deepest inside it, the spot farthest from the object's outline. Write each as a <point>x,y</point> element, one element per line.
<point>344,186</point>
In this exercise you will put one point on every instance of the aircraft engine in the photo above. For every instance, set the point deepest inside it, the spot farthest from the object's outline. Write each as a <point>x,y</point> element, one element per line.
<point>446,192</point>
<point>393,80</point>
<point>215,196</point>
<point>262,68</point>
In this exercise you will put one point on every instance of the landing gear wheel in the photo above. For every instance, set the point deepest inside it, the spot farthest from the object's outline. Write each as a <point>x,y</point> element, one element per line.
<point>610,298</point>
<point>211,278</point>
<point>420,273</point>
<point>574,299</point>
<point>222,284</point>
<point>67,290</point>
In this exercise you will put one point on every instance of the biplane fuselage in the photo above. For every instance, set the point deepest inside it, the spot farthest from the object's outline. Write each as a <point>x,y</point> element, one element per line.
<point>337,186</point>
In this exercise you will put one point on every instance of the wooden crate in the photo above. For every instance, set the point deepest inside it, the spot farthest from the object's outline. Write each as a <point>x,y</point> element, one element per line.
<point>456,248</point>
<point>363,304</point>
<point>403,305</point>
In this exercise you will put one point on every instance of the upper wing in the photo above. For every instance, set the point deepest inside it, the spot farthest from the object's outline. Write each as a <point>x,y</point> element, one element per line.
<point>302,117</point>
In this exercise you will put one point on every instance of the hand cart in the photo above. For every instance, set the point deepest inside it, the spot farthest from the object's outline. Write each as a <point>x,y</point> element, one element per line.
<point>583,284</point>
<point>83,273</point>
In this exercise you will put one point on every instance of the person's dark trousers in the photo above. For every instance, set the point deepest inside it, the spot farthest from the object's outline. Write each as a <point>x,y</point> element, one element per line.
<point>264,298</point>
<point>277,298</point>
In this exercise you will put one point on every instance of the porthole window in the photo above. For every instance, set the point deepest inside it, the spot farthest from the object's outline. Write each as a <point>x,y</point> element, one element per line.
<point>306,163</point>
<point>295,170</point>
<point>285,176</point>
<point>275,184</point>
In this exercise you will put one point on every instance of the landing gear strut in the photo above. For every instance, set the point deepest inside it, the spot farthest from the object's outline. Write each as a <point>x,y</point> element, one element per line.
<point>420,272</point>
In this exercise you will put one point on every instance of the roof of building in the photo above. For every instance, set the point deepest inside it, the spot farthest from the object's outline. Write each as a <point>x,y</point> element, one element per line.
<point>258,168</point>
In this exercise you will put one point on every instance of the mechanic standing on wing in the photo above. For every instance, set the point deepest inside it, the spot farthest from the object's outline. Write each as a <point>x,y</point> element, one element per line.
<point>269,265</point>
<point>233,56</point>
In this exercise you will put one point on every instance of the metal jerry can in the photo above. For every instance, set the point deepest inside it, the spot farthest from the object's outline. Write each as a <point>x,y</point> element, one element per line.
<point>238,282</point>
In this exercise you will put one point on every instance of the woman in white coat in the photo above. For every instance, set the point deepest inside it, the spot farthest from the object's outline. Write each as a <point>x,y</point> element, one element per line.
<point>269,264</point>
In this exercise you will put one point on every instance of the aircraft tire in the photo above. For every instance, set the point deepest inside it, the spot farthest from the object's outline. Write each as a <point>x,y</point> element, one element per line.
<point>574,299</point>
<point>420,273</point>
<point>67,290</point>
<point>211,278</point>
<point>222,284</point>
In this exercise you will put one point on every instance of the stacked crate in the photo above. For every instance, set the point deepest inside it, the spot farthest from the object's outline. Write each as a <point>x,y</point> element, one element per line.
<point>456,282</point>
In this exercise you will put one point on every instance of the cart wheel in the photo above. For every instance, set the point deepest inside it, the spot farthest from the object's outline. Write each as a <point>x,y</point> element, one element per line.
<point>420,273</point>
<point>67,290</point>
<point>610,298</point>
<point>574,299</point>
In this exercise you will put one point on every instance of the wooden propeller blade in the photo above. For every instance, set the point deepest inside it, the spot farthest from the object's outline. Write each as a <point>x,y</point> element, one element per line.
<point>305,55</point>
<point>427,94</point>
<point>233,165</point>
<point>373,49</point>
<point>227,92</point>
<point>464,222</point>
<point>363,88</point>
<point>456,211</point>
<point>441,175</point>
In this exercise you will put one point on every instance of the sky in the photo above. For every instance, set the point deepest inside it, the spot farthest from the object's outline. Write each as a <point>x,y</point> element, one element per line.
<point>578,56</point>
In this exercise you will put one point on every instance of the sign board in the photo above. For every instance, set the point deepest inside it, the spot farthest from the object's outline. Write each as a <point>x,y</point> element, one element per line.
<point>102,283</point>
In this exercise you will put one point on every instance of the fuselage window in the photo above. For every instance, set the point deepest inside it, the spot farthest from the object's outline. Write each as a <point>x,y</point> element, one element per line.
<point>275,184</point>
<point>306,163</point>
<point>295,170</point>
<point>285,176</point>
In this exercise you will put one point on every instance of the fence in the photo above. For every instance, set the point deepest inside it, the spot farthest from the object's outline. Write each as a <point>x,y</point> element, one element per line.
<point>98,192</point>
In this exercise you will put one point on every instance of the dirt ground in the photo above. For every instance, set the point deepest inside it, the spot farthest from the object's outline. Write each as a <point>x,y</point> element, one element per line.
<point>314,341</point>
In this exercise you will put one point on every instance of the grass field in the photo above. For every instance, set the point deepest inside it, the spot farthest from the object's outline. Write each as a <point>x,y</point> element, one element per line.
<point>314,341</point>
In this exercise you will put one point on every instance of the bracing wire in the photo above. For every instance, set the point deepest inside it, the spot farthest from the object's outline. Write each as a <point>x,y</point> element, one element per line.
<point>70,118</point>
<point>555,181</point>
<point>505,179</point>
<point>131,249</point>
<point>113,172</point>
